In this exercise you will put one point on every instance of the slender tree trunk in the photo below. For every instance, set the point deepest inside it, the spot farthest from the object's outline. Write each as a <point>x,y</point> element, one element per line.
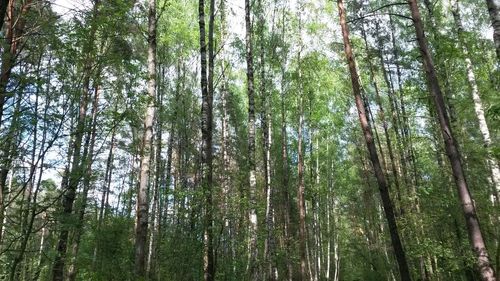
<point>26,225</point>
<point>301,203</point>
<point>476,239</point>
<point>284,159</point>
<point>106,188</point>
<point>168,176</point>
<point>252,266</point>
<point>285,181</point>
<point>13,34</point>
<point>73,180</point>
<point>88,160</point>
<point>207,88</point>
<point>381,180</point>
<point>228,248</point>
<point>141,224</point>
<point>153,237</point>
<point>9,152</point>
<point>266,140</point>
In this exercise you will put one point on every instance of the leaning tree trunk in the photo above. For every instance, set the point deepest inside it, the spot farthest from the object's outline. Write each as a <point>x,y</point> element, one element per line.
<point>367,132</point>
<point>141,231</point>
<point>475,236</point>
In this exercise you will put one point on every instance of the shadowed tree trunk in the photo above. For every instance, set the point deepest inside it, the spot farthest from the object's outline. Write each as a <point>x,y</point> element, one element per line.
<point>207,88</point>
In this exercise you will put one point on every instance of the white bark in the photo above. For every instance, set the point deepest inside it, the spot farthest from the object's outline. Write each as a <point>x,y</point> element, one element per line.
<point>478,107</point>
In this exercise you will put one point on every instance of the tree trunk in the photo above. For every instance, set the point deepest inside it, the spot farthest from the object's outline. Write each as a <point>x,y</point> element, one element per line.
<point>266,140</point>
<point>476,239</point>
<point>105,192</point>
<point>141,223</point>
<point>252,213</point>
<point>494,11</point>
<point>285,182</point>
<point>88,156</point>
<point>301,203</point>
<point>207,88</point>
<point>284,159</point>
<point>72,184</point>
<point>379,174</point>
<point>13,36</point>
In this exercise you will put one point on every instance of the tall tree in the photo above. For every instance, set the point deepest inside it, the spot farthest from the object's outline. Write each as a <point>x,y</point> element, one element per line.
<point>301,201</point>
<point>475,235</point>
<point>367,133</point>
<point>207,88</point>
<point>252,188</point>
<point>141,228</point>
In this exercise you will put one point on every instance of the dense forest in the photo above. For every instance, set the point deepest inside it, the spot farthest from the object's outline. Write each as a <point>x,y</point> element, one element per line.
<point>249,140</point>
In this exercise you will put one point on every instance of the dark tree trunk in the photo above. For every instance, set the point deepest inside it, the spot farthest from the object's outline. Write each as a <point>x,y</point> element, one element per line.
<point>207,88</point>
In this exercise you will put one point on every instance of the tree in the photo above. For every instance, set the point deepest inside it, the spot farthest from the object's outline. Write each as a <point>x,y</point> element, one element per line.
<point>367,133</point>
<point>141,230</point>
<point>252,213</point>
<point>469,210</point>
<point>207,88</point>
